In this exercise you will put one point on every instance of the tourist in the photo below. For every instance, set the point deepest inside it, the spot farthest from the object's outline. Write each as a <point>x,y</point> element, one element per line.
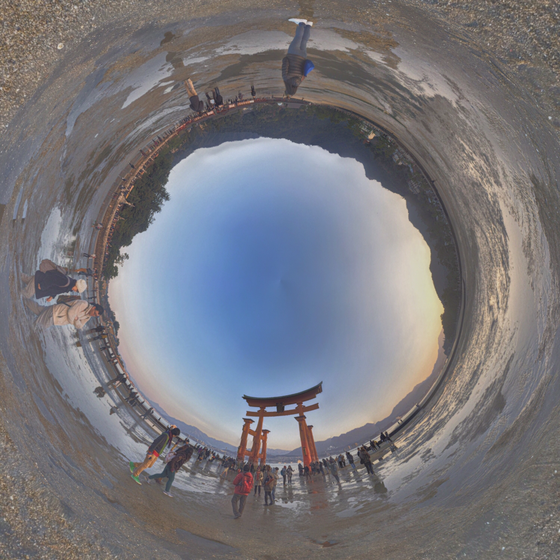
<point>88,256</point>
<point>85,272</point>
<point>196,104</point>
<point>295,66</point>
<point>334,469</point>
<point>174,463</point>
<point>275,476</point>
<point>76,313</point>
<point>218,97</point>
<point>350,459</point>
<point>284,473</point>
<point>154,451</point>
<point>243,483</point>
<point>365,459</point>
<point>341,463</point>
<point>268,482</point>
<point>258,480</point>
<point>50,281</point>
<point>290,473</point>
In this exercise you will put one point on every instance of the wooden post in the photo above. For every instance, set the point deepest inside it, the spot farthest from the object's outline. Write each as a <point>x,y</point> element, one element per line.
<point>311,441</point>
<point>242,449</point>
<point>254,457</point>
<point>263,452</point>
<point>304,443</point>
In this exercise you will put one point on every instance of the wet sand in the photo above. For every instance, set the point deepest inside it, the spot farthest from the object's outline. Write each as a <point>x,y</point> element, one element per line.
<point>477,475</point>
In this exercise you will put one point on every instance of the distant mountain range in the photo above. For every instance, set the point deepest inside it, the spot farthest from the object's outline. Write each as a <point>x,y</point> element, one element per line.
<point>372,430</point>
<point>329,446</point>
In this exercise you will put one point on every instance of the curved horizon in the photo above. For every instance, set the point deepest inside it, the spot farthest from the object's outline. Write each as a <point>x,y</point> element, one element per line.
<point>279,277</point>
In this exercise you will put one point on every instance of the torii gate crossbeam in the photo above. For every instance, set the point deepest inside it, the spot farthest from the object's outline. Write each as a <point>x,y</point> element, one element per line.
<point>308,449</point>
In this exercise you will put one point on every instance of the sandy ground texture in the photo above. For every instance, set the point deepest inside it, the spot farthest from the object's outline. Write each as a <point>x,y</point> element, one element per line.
<point>477,477</point>
<point>521,35</point>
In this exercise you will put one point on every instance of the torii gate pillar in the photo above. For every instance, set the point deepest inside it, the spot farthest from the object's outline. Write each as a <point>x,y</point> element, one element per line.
<point>311,442</point>
<point>304,442</point>
<point>254,457</point>
<point>263,452</point>
<point>242,449</point>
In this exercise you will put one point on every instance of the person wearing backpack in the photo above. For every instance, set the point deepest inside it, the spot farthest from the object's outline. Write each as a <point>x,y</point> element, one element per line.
<point>176,460</point>
<point>154,451</point>
<point>269,484</point>
<point>284,473</point>
<point>49,281</point>
<point>243,483</point>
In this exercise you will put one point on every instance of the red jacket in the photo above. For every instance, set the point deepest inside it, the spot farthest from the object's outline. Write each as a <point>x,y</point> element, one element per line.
<point>239,487</point>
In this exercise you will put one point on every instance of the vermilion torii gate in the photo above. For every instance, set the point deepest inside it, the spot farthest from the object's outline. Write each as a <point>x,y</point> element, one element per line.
<point>260,436</point>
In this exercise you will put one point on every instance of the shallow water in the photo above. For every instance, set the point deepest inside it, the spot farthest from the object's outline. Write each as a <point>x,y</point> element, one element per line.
<point>477,470</point>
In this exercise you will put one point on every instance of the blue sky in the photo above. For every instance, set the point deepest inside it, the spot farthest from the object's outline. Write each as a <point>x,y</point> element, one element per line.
<point>275,266</point>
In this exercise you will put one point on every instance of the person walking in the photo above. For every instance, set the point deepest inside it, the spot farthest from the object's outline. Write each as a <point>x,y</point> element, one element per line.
<point>181,456</point>
<point>76,313</point>
<point>243,483</point>
<point>334,469</point>
<point>284,473</point>
<point>154,451</point>
<point>350,460</point>
<point>269,481</point>
<point>275,476</point>
<point>290,473</point>
<point>365,458</point>
<point>218,99</point>
<point>196,104</point>
<point>258,480</point>
<point>295,65</point>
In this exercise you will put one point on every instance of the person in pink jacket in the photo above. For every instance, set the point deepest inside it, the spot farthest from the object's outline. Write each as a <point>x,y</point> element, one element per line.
<point>243,483</point>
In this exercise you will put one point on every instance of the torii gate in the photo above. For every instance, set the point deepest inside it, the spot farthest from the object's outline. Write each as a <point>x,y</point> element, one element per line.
<point>308,449</point>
